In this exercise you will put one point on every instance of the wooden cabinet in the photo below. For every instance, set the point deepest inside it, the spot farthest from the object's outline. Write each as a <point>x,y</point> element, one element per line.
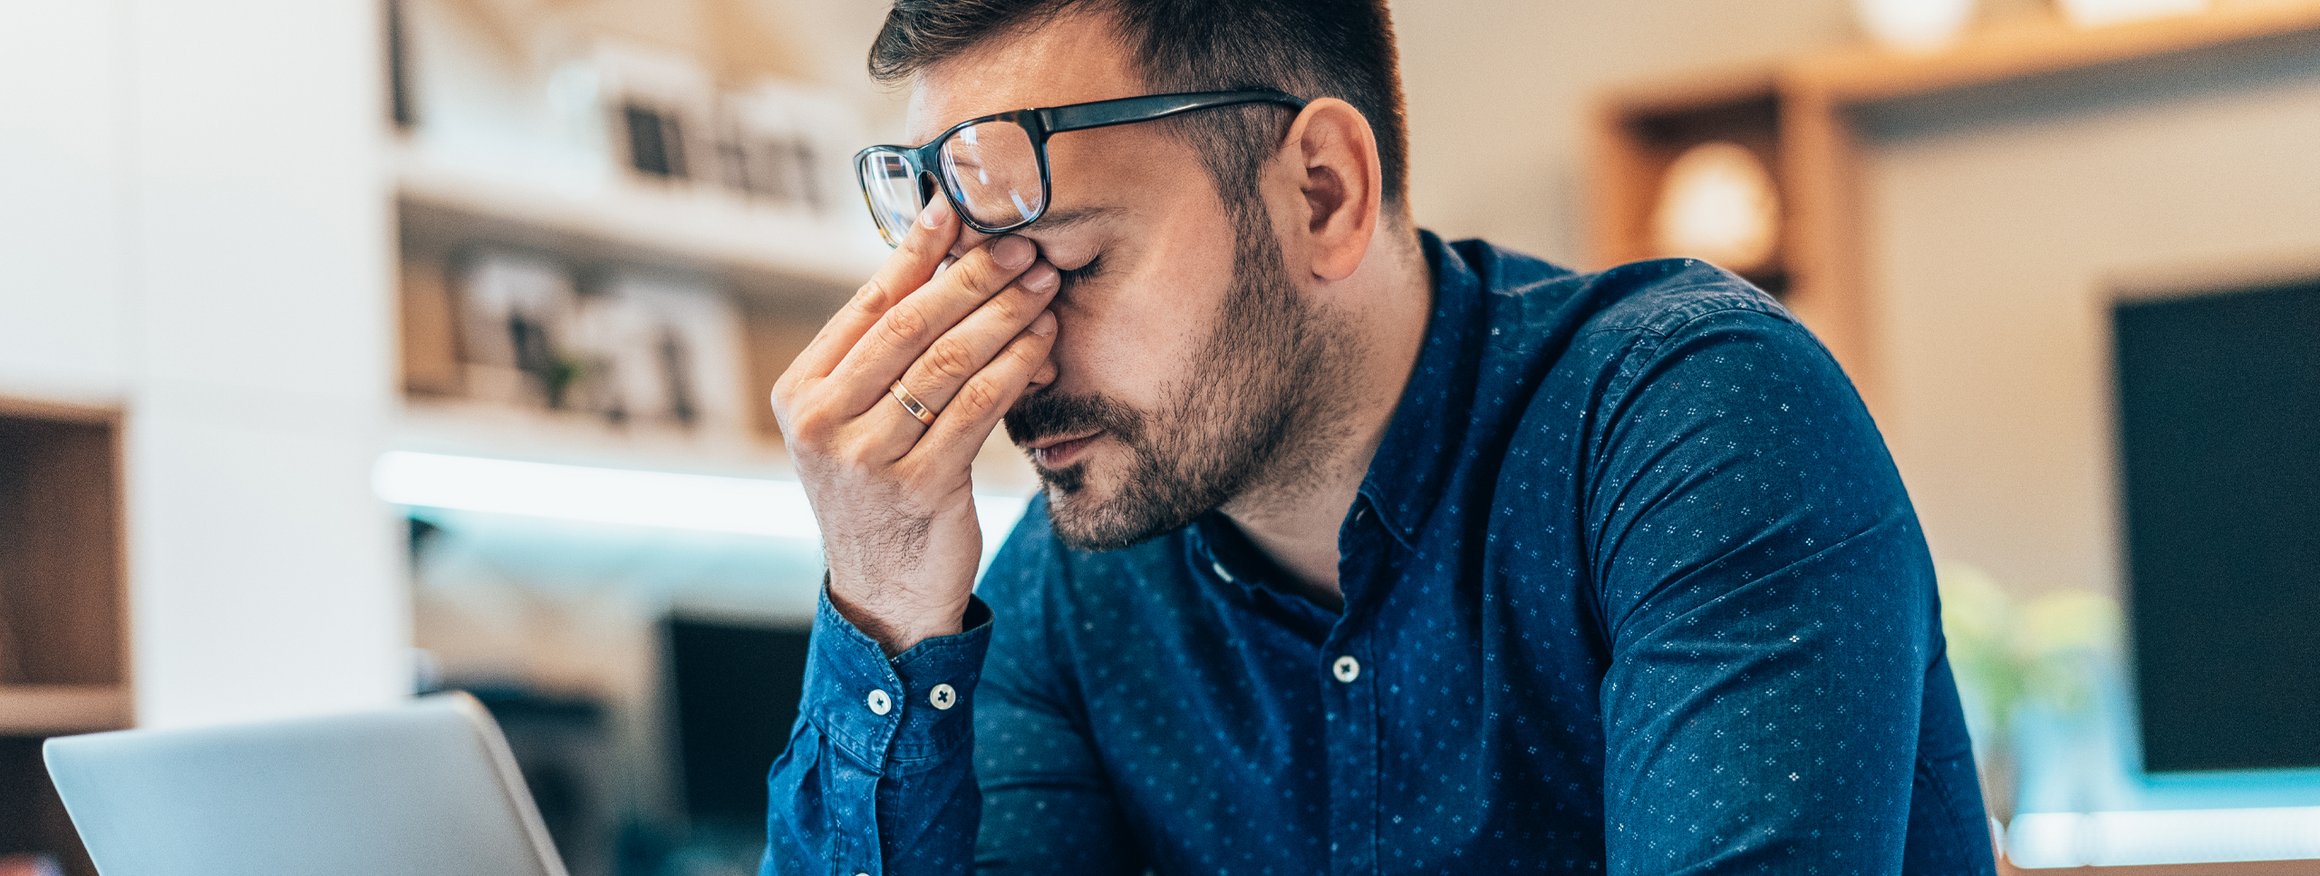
<point>63,662</point>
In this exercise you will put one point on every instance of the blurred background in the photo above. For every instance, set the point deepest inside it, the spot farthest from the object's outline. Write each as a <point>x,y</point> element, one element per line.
<point>350,350</point>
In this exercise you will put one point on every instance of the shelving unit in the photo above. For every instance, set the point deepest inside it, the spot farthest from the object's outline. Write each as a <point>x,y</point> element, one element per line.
<point>1641,132</point>
<point>781,256</point>
<point>786,271</point>
<point>1803,115</point>
<point>63,666</point>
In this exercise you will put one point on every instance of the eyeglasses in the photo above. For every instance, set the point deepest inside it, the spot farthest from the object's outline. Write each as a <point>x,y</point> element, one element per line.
<point>993,169</point>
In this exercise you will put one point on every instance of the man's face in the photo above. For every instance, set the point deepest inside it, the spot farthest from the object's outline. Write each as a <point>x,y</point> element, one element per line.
<point>1186,351</point>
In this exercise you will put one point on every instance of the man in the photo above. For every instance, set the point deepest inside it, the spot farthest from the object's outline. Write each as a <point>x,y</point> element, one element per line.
<point>1357,551</point>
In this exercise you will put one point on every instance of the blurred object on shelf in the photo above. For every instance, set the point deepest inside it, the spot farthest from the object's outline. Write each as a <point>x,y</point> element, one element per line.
<point>1696,169</point>
<point>1718,203</point>
<point>430,330</point>
<point>1914,25</point>
<point>2097,13</point>
<point>517,313</point>
<point>30,865</point>
<point>781,144</point>
<point>2049,651</point>
<point>788,146</point>
<point>655,348</point>
<point>659,108</point>
<point>582,100</point>
<point>633,347</point>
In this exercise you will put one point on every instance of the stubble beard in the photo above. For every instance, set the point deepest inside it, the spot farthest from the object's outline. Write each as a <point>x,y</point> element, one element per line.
<point>1258,411</point>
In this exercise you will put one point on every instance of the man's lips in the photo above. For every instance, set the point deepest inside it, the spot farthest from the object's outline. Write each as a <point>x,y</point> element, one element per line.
<point>1053,440</point>
<point>1058,451</point>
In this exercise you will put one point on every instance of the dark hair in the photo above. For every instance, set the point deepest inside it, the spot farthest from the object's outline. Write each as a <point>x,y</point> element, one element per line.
<point>1309,48</point>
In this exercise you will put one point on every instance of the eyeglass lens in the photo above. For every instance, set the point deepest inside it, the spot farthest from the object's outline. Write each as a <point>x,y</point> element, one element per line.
<point>994,170</point>
<point>895,193</point>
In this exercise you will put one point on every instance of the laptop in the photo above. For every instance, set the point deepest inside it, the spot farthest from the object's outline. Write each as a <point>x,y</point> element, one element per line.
<point>424,788</point>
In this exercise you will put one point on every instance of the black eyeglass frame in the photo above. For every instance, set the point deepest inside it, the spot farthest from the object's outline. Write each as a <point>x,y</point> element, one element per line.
<point>1040,123</point>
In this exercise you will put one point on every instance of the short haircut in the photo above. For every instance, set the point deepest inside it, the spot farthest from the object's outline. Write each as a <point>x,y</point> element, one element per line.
<point>1309,48</point>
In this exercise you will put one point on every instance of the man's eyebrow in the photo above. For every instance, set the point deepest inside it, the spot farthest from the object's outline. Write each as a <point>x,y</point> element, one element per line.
<point>1058,220</point>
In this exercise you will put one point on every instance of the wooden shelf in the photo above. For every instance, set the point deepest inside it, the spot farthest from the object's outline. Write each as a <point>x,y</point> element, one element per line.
<point>59,709</point>
<point>777,255</point>
<point>497,431</point>
<point>2044,46</point>
<point>500,431</point>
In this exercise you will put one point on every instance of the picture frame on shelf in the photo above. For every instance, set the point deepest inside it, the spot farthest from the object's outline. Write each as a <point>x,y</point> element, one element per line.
<point>659,109</point>
<point>516,319</point>
<point>787,146</point>
<point>665,350</point>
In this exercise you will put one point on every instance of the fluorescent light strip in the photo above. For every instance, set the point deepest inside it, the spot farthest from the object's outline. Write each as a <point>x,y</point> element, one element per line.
<point>2183,836</point>
<point>624,497</point>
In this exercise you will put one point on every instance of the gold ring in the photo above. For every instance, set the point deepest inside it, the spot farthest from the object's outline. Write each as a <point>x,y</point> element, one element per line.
<point>911,403</point>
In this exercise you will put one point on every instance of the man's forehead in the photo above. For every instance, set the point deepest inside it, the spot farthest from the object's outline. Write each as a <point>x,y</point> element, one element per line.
<point>1068,59</point>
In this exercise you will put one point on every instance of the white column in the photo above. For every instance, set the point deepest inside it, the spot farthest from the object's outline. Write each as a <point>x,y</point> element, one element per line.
<point>265,578</point>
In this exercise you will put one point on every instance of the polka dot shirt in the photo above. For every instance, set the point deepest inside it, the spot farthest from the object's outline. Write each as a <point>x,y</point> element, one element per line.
<point>1632,586</point>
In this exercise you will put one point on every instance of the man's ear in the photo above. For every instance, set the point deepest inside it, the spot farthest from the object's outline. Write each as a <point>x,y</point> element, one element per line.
<point>1336,160</point>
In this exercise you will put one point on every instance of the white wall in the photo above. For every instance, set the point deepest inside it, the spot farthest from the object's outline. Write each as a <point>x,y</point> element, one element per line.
<point>194,227</point>
<point>63,214</point>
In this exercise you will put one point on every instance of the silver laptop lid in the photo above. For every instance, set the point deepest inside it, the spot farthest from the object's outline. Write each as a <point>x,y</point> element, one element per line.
<point>427,787</point>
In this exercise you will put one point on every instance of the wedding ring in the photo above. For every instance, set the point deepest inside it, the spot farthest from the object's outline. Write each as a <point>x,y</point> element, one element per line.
<point>911,403</point>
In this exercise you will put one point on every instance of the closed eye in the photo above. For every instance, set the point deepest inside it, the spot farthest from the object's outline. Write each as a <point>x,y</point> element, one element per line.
<point>1072,278</point>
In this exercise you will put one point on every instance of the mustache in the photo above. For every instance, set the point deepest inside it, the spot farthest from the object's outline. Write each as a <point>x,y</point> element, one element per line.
<point>1048,414</point>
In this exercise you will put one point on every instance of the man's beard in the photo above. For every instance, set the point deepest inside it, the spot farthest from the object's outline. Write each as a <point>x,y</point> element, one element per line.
<point>1258,408</point>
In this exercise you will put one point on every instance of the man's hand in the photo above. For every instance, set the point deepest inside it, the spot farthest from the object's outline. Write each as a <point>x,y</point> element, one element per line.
<point>893,494</point>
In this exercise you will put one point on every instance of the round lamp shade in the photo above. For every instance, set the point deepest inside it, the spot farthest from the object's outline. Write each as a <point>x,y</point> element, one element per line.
<point>1718,202</point>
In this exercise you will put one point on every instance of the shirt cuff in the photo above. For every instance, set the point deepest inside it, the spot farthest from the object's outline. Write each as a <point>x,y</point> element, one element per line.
<point>894,716</point>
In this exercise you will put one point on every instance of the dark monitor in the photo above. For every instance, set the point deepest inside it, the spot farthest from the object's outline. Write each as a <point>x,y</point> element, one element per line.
<point>2219,439</point>
<point>733,692</point>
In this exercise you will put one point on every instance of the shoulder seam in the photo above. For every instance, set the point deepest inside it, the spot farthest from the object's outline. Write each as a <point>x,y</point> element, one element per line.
<point>1695,311</point>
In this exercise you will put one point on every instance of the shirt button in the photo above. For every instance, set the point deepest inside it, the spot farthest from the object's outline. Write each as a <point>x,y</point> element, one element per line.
<point>1360,514</point>
<point>1218,568</point>
<point>880,703</point>
<point>943,697</point>
<point>1347,668</point>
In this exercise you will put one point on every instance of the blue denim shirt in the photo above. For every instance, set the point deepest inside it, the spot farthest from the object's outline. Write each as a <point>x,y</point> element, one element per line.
<point>1631,586</point>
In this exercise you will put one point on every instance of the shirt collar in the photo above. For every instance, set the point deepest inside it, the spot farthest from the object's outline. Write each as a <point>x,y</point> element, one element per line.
<point>1418,455</point>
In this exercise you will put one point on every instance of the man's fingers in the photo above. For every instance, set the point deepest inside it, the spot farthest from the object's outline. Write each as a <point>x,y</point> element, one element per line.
<point>954,357</point>
<point>962,427</point>
<point>911,265</point>
<point>906,330</point>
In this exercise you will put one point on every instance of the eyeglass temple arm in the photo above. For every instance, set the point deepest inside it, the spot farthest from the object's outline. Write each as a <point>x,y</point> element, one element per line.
<point>1157,106</point>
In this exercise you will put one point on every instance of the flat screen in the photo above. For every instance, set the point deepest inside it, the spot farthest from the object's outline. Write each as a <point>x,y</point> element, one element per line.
<point>735,689</point>
<point>2219,430</point>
